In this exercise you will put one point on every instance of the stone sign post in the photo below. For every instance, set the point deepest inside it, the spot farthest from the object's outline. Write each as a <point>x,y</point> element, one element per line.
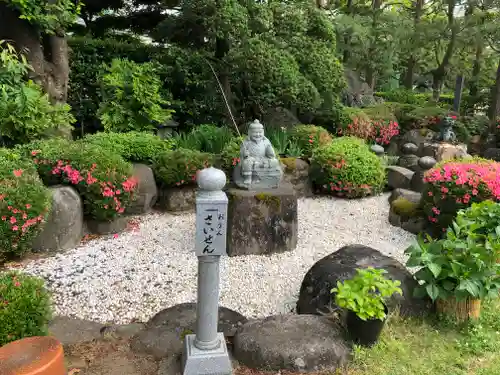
<point>205,353</point>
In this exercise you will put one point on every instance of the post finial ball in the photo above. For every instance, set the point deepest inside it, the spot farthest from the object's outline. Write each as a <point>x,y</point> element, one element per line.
<point>211,179</point>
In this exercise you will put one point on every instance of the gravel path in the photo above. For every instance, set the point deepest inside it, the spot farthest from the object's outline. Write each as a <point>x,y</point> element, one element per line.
<point>139,273</point>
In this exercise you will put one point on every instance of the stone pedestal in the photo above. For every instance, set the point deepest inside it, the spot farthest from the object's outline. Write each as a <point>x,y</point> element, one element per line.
<point>262,222</point>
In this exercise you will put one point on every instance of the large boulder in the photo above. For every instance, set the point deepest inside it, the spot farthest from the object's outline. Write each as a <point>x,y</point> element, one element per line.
<point>163,334</point>
<point>303,343</point>
<point>492,153</point>
<point>262,222</point>
<point>416,136</point>
<point>296,172</point>
<point>177,199</point>
<point>64,227</point>
<point>398,177</point>
<point>442,151</point>
<point>315,296</point>
<point>147,192</point>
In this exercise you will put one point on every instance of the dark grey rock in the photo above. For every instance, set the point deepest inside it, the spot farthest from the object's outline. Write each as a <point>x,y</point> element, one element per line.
<point>492,153</point>
<point>394,219</point>
<point>177,199</point>
<point>409,149</point>
<point>147,192</point>
<point>409,195</point>
<point>164,333</point>
<point>108,227</point>
<point>377,150</point>
<point>64,227</point>
<point>426,162</point>
<point>398,177</point>
<point>296,173</point>
<point>408,161</point>
<point>303,343</point>
<point>73,330</point>
<point>442,151</point>
<point>262,222</point>
<point>279,117</point>
<point>414,225</point>
<point>315,296</point>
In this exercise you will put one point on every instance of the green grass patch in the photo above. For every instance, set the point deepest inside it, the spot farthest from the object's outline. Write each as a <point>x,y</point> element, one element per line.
<point>426,347</point>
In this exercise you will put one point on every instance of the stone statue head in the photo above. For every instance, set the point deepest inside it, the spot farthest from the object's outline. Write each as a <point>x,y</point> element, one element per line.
<point>447,122</point>
<point>256,131</point>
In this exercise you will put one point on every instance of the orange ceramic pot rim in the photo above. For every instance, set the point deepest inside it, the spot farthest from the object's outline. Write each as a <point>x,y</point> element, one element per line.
<point>32,356</point>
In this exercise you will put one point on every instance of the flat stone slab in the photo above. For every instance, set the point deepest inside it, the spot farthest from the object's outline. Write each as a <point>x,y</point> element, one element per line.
<point>262,222</point>
<point>163,335</point>
<point>304,343</point>
<point>71,331</point>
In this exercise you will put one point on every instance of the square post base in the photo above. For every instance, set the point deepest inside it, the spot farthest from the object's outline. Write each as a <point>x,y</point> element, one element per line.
<point>205,362</point>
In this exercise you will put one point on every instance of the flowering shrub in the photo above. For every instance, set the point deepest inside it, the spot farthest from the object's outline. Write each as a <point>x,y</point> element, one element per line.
<point>103,178</point>
<point>24,204</point>
<point>25,308</point>
<point>309,137</point>
<point>455,185</point>
<point>136,147</point>
<point>179,167</point>
<point>230,155</point>
<point>380,132</point>
<point>347,168</point>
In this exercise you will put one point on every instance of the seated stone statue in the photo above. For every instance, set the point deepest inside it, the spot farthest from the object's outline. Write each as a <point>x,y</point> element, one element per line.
<point>259,166</point>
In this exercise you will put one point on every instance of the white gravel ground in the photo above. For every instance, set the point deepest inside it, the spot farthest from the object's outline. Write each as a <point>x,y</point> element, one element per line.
<point>139,273</point>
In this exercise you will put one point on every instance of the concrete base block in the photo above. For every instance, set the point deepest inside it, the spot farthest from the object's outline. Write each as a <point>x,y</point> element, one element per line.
<point>206,362</point>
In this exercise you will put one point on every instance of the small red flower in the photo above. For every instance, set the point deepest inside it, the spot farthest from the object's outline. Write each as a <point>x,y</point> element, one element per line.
<point>15,228</point>
<point>13,220</point>
<point>18,172</point>
<point>28,206</point>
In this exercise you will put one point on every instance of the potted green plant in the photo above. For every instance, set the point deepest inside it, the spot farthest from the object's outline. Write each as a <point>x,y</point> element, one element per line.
<point>461,269</point>
<point>364,298</point>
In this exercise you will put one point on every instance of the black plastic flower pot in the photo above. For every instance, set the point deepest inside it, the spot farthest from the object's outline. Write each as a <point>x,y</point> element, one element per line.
<point>364,332</point>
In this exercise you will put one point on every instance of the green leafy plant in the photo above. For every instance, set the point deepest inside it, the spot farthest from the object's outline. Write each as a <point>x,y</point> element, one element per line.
<point>25,111</point>
<point>131,97</point>
<point>179,167</point>
<point>24,204</point>
<point>347,168</point>
<point>294,150</point>
<point>205,138</point>
<point>25,307</point>
<point>279,138</point>
<point>230,155</point>
<point>310,137</point>
<point>104,180</point>
<point>136,147</point>
<point>464,264</point>
<point>365,294</point>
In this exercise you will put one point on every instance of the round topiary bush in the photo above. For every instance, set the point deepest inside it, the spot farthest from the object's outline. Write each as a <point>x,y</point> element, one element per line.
<point>104,180</point>
<point>309,137</point>
<point>230,155</point>
<point>454,185</point>
<point>347,168</point>
<point>135,147</point>
<point>179,167</point>
<point>25,307</point>
<point>24,204</point>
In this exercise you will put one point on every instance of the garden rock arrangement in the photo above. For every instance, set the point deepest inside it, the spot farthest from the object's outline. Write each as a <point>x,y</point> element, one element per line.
<point>315,291</point>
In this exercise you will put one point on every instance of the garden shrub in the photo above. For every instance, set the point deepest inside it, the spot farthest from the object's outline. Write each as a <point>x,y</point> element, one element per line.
<point>25,111</point>
<point>86,58</point>
<point>403,96</point>
<point>346,167</point>
<point>25,307</point>
<point>135,147</point>
<point>230,155</point>
<point>206,138</point>
<point>372,131</point>
<point>131,97</point>
<point>381,112</point>
<point>102,177</point>
<point>179,167</point>
<point>309,137</point>
<point>421,117</point>
<point>24,204</point>
<point>454,185</point>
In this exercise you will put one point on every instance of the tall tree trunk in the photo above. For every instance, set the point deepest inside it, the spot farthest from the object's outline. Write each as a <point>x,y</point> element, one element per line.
<point>412,61</point>
<point>347,37</point>
<point>439,74</point>
<point>47,54</point>
<point>495,101</point>
<point>476,70</point>
<point>370,69</point>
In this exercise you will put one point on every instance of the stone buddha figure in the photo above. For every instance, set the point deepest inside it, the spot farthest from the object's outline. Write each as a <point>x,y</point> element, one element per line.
<point>259,166</point>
